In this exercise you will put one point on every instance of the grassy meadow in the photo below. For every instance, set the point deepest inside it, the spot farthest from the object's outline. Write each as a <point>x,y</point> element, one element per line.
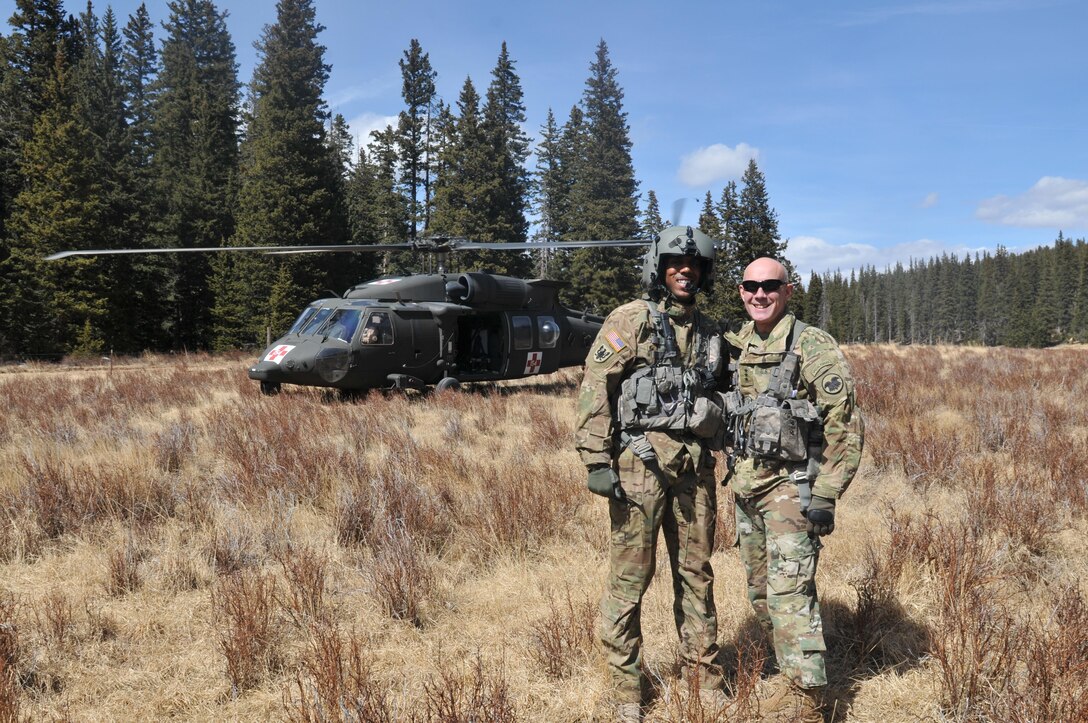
<point>176,545</point>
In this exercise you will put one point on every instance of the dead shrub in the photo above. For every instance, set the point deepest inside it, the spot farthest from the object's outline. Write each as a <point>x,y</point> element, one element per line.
<point>123,568</point>
<point>564,639</point>
<point>304,570</point>
<point>245,612</point>
<point>398,576</point>
<point>335,682</point>
<point>55,618</point>
<point>725,524</point>
<point>477,695</point>
<point>395,493</point>
<point>517,510</point>
<point>977,641</point>
<point>1055,655</point>
<point>233,548</point>
<point>173,446</point>
<point>10,654</point>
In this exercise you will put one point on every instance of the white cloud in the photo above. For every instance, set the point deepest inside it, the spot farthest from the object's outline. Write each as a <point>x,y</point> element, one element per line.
<point>1053,202</point>
<point>930,200</point>
<point>715,163</point>
<point>809,253</point>
<point>361,125</point>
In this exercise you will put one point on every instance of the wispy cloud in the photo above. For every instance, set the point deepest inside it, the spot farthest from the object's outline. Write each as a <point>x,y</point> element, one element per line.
<point>809,254</point>
<point>881,14</point>
<point>1053,202</point>
<point>715,163</point>
<point>930,200</point>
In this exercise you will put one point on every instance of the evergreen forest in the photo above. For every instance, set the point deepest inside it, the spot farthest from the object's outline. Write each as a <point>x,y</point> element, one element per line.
<point>129,133</point>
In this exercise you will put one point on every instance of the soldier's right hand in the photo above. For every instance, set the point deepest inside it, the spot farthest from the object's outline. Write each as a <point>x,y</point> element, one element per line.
<point>604,481</point>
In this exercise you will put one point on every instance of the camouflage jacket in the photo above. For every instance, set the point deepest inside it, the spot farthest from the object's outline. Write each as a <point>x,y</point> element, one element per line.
<point>825,380</point>
<point>625,343</point>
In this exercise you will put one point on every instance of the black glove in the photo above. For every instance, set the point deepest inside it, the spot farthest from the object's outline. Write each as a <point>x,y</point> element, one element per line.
<point>604,481</point>
<point>821,516</point>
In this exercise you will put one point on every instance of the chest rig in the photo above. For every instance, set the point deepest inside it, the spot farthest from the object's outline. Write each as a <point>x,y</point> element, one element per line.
<point>775,424</point>
<point>671,393</point>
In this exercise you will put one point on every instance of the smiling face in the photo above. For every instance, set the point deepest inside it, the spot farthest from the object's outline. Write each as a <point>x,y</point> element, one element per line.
<point>766,307</point>
<point>683,274</point>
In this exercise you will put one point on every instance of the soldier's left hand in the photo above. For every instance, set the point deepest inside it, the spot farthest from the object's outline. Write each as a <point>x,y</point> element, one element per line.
<point>821,516</point>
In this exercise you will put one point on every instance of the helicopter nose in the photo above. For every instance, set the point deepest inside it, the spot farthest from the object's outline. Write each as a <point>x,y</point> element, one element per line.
<point>265,371</point>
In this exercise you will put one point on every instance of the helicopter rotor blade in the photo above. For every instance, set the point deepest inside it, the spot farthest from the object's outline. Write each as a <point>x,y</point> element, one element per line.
<point>438,245</point>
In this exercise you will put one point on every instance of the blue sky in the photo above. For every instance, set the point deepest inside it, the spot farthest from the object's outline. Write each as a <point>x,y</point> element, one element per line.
<point>885,131</point>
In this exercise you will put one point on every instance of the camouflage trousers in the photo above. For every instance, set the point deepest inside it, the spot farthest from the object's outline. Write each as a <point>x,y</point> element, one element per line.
<point>685,506</point>
<point>780,560</point>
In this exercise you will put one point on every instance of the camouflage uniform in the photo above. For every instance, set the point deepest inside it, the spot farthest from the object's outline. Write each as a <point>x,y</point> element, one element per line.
<point>678,493</point>
<point>778,553</point>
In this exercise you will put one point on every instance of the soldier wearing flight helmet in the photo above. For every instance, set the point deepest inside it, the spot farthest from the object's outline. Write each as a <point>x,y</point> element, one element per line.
<point>648,416</point>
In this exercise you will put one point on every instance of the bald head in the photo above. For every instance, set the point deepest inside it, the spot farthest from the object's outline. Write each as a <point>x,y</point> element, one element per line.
<point>765,268</point>
<point>770,293</point>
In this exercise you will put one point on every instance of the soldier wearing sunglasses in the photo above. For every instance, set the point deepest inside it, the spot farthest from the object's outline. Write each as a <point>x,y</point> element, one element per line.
<point>796,447</point>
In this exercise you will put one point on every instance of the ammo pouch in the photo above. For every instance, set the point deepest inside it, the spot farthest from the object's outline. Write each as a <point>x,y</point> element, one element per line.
<point>780,429</point>
<point>707,420</point>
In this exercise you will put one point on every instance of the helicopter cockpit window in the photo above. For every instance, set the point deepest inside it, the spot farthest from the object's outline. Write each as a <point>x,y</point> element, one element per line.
<point>316,321</point>
<point>547,331</point>
<point>342,324</point>
<point>523,332</point>
<point>378,329</point>
<point>304,317</point>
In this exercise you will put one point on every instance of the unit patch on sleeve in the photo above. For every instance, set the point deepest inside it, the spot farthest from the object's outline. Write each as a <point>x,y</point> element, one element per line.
<point>601,353</point>
<point>614,340</point>
<point>832,384</point>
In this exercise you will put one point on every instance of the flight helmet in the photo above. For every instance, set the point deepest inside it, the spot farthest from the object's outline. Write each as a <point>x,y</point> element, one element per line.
<point>677,241</point>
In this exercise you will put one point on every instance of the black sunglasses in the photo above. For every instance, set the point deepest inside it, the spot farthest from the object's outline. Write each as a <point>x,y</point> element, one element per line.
<point>768,285</point>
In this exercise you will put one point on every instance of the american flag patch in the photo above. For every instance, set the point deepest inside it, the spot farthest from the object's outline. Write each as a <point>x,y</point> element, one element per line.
<point>614,340</point>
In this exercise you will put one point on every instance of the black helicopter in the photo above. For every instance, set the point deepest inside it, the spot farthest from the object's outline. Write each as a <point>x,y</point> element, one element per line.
<point>413,331</point>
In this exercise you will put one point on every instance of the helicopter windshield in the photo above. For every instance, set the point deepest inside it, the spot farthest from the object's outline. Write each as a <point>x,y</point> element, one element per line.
<point>316,321</point>
<point>342,324</point>
<point>300,322</point>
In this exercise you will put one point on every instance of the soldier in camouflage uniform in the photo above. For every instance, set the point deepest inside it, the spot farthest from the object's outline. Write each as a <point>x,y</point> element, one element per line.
<point>780,518</point>
<point>645,412</point>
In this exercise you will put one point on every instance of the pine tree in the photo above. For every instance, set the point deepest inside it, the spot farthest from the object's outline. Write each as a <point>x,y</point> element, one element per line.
<point>604,195</point>
<point>59,204</point>
<point>724,302</point>
<point>504,140</point>
<point>413,132</point>
<point>551,186</point>
<point>652,223</point>
<point>389,209</point>
<point>291,184</point>
<point>462,192</point>
<point>755,232</point>
<point>708,219</point>
<point>195,158</point>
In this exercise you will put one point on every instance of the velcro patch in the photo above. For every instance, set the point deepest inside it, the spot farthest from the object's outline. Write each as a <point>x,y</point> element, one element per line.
<point>614,340</point>
<point>832,384</point>
<point>601,353</point>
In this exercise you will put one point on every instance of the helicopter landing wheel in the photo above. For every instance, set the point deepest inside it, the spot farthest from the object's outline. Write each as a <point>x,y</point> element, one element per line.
<point>270,388</point>
<point>447,384</point>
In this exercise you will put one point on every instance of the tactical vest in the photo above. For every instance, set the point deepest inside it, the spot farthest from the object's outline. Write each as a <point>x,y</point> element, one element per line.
<point>667,395</point>
<point>775,424</point>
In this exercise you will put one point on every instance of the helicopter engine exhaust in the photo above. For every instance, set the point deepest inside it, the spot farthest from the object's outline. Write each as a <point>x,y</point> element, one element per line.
<point>475,287</point>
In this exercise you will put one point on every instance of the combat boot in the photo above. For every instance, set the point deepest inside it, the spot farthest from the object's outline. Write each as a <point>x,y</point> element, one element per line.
<point>786,701</point>
<point>628,713</point>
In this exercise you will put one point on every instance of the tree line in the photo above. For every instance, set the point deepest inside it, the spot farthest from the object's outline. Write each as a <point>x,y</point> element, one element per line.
<point>1033,299</point>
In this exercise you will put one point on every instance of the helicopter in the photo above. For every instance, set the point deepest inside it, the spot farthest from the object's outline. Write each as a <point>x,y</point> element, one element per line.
<point>414,331</point>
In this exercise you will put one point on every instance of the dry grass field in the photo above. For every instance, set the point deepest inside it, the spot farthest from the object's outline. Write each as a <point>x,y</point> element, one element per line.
<point>176,545</point>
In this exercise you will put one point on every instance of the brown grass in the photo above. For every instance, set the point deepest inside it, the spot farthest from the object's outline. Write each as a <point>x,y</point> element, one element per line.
<point>175,545</point>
